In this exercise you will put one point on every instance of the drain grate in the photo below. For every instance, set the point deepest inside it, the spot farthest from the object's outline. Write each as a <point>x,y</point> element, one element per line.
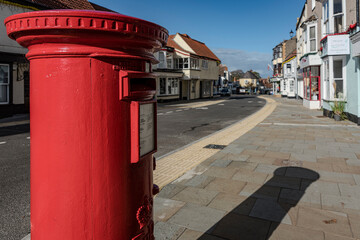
<point>215,146</point>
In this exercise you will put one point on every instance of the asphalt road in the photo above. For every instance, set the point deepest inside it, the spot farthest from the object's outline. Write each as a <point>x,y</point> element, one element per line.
<point>14,182</point>
<point>177,127</point>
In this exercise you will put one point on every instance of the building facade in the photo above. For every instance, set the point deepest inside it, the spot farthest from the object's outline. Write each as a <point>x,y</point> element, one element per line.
<point>194,69</point>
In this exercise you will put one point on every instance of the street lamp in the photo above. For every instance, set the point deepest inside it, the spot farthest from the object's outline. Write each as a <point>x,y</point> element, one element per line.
<point>291,33</point>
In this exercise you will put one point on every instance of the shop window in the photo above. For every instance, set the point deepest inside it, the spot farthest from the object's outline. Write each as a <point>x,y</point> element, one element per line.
<point>312,83</point>
<point>169,86</point>
<point>292,84</point>
<point>4,83</point>
<point>338,79</point>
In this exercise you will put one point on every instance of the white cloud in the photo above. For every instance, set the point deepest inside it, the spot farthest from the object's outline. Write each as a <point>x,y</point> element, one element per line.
<point>244,60</point>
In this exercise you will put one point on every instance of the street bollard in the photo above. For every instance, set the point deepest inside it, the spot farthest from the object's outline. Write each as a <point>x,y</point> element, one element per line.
<point>93,122</point>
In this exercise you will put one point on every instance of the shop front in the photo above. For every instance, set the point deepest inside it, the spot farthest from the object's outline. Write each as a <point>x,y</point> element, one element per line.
<point>310,66</point>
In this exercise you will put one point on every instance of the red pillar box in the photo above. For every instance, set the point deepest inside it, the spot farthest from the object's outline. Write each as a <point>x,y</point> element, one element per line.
<point>93,122</point>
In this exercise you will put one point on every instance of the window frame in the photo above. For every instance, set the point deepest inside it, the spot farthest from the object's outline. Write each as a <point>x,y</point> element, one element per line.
<point>7,85</point>
<point>312,39</point>
<point>171,86</point>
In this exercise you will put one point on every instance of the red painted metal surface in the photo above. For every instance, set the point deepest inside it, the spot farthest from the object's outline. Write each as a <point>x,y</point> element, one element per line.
<point>83,184</point>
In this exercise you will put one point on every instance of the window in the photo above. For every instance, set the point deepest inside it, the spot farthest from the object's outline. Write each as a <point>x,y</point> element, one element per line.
<point>312,39</point>
<point>169,86</point>
<point>4,83</point>
<point>338,79</point>
<point>205,64</point>
<point>326,27</point>
<point>292,84</point>
<point>162,86</point>
<point>181,63</point>
<point>194,63</point>
<point>338,16</point>
<point>169,63</point>
<point>326,80</point>
<point>162,63</point>
<point>288,68</point>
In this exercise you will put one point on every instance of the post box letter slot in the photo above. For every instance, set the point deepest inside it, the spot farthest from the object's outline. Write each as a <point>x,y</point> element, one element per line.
<point>136,85</point>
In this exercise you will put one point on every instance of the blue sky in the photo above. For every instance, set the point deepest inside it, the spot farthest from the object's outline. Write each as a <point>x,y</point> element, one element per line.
<point>241,33</point>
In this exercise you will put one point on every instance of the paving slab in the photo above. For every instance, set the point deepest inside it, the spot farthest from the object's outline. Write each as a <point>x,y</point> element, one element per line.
<point>271,210</point>
<point>285,231</point>
<point>226,186</point>
<point>196,217</point>
<point>323,220</point>
<point>260,191</point>
<point>234,226</point>
<point>165,208</point>
<point>166,231</point>
<point>196,195</point>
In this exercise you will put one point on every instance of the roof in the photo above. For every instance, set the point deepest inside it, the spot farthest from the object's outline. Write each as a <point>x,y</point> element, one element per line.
<point>100,8</point>
<point>250,75</point>
<point>199,48</point>
<point>171,43</point>
<point>64,4</point>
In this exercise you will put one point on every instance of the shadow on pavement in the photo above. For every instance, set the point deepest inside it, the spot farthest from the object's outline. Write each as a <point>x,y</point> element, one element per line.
<point>259,215</point>
<point>13,130</point>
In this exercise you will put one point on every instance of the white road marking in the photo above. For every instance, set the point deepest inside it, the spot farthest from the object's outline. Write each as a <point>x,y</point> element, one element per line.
<point>160,114</point>
<point>260,102</point>
<point>186,109</point>
<point>221,104</point>
<point>202,108</point>
<point>179,110</point>
<point>2,143</point>
<point>250,101</point>
<point>170,112</point>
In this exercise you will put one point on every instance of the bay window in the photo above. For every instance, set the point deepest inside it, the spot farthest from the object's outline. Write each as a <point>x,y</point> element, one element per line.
<point>181,63</point>
<point>4,83</point>
<point>338,79</point>
<point>334,78</point>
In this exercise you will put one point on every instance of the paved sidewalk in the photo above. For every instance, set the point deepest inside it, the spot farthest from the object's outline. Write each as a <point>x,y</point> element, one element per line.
<point>296,175</point>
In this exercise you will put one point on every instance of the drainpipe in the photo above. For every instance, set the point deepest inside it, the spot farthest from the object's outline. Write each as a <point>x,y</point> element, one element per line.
<point>357,14</point>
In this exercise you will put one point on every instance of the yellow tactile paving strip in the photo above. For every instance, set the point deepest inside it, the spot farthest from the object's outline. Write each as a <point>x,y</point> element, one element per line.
<point>175,165</point>
<point>200,104</point>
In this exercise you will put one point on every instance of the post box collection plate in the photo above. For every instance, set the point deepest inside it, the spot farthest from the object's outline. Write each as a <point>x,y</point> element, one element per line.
<point>146,128</point>
<point>143,129</point>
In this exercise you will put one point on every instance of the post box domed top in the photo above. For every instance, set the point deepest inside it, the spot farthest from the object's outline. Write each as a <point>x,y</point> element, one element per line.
<point>95,28</point>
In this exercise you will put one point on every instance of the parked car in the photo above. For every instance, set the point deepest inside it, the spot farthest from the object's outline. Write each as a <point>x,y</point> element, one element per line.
<point>225,92</point>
